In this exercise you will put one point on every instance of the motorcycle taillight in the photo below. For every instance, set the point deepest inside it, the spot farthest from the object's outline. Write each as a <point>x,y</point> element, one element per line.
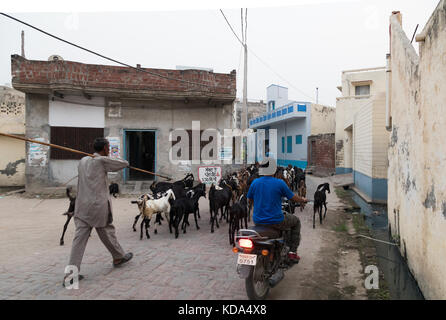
<point>245,243</point>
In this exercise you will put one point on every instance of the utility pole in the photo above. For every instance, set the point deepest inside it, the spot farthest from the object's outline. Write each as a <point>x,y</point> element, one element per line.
<point>23,44</point>
<point>244,124</point>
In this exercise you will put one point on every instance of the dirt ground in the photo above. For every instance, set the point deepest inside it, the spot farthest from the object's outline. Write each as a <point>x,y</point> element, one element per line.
<point>198,265</point>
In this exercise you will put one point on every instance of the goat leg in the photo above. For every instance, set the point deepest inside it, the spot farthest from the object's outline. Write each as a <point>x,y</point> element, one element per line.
<point>314,216</point>
<point>147,223</point>
<point>65,228</point>
<point>142,226</point>
<point>325,205</point>
<point>134,223</point>
<point>320,214</point>
<point>196,221</point>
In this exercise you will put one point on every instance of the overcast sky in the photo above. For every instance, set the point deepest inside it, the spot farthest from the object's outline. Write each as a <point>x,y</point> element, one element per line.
<point>308,44</point>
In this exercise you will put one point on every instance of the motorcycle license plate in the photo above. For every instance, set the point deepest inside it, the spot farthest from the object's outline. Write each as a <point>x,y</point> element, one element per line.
<point>247,259</point>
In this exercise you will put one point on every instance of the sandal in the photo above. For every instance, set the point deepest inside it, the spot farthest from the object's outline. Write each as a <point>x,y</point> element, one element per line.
<point>126,258</point>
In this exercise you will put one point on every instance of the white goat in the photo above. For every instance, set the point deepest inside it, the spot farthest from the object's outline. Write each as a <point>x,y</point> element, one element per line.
<point>149,207</point>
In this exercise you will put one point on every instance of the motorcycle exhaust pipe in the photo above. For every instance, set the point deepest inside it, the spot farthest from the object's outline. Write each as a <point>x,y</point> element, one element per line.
<point>276,278</point>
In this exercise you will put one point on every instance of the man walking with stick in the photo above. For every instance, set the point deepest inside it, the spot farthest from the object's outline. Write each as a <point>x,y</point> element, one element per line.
<point>93,207</point>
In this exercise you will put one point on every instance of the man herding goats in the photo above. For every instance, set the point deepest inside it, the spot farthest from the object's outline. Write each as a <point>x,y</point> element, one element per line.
<point>93,207</point>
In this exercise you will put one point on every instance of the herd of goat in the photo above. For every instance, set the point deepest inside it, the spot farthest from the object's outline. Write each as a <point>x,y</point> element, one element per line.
<point>175,201</point>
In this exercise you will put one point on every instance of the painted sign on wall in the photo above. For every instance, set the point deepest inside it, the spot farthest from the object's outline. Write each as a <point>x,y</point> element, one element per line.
<point>37,153</point>
<point>209,175</point>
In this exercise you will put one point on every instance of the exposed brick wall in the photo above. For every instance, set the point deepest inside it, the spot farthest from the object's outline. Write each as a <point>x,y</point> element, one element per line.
<point>55,73</point>
<point>321,153</point>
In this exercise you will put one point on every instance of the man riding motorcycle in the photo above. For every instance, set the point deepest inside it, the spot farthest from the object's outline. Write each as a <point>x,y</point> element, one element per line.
<point>266,192</point>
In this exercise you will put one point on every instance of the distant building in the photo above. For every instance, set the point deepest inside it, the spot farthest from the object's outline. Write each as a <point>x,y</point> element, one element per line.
<point>255,108</point>
<point>361,137</point>
<point>12,121</point>
<point>295,122</point>
<point>71,103</point>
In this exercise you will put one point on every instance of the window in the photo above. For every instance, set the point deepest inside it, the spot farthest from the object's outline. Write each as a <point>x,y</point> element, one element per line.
<point>271,105</point>
<point>299,139</point>
<point>301,108</point>
<point>283,144</point>
<point>73,137</point>
<point>362,90</point>
<point>289,144</point>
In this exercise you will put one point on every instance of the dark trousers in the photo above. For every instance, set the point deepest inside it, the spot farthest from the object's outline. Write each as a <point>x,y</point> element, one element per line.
<point>292,223</point>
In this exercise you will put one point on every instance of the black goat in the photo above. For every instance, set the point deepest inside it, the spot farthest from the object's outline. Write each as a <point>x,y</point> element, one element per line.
<point>237,214</point>
<point>192,191</point>
<point>178,187</point>
<point>320,199</point>
<point>218,199</point>
<point>113,188</point>
<point>181,209</point>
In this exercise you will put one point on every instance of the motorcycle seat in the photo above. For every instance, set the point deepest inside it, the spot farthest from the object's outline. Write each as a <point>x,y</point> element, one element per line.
<point>266,231</point>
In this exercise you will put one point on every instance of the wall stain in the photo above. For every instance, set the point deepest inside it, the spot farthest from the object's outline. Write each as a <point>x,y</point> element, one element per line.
<point>443,208</point>
<point>394,138</point>
<point>430,201</point>
<point>11,168</point>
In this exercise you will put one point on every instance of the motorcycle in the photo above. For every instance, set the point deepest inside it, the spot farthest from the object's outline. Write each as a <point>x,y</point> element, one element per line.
<point>262,258</point>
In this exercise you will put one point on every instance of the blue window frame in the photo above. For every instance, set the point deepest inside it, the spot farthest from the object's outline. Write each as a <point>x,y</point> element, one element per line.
<point>289,144</point>
<point>269,116</point>
<point>284,111</point>
<point>283,144</point>
<point>299,139</point>
<point>302,107</point>
<point>279,112</point>
<point>274,115</point>
<point>264,118</point>
<point>290,109</point>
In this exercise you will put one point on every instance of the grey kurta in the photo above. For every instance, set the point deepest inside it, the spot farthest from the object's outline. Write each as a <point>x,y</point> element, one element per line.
<point>93,202</point>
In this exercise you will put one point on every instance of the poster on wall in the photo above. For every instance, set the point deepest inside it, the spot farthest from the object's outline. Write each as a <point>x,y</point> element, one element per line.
<point>209,175</point>
<point>38,153</point>
<point>115,147</point>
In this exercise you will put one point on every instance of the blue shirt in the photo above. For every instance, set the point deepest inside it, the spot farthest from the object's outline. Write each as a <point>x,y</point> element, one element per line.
<point>267,193</point>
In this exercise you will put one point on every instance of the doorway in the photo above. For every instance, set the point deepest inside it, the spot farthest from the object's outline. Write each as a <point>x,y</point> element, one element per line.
<point>140,151</point>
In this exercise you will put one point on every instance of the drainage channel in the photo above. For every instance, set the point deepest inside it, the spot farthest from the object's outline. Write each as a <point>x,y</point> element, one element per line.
<point>402,285</point>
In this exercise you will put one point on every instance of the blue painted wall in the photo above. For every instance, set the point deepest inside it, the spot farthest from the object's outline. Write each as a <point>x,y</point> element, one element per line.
<point>340,170</point>
<point>297,163</point>
<point>375,188</point>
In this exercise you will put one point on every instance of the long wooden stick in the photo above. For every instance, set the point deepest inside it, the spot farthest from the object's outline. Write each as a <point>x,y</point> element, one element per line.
<point>74,151</point>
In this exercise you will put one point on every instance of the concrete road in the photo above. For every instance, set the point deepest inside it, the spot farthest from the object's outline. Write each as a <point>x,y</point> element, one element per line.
<point>197,265</point>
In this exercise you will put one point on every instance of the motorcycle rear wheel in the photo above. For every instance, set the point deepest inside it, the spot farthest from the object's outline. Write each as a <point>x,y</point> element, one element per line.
<point>257,289</point>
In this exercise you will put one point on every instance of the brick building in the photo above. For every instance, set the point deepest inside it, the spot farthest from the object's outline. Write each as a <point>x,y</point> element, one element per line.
<point>70,103</point>
<point>321,154</point>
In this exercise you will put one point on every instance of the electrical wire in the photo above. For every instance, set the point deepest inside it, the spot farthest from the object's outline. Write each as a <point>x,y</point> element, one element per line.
<point>103,56</point>
<point>260,59</point>
<point>235,34</point>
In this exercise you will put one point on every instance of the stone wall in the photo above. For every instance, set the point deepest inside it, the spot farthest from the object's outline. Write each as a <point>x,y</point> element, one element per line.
<point>12,121</point>
<point>417,154</point>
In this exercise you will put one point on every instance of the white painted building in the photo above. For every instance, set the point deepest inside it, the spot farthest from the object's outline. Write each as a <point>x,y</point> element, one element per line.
<point>361,137</point>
